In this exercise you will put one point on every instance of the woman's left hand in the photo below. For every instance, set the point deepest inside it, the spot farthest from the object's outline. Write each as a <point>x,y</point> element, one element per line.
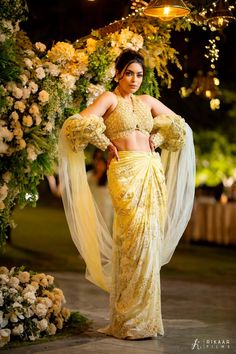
<point>151,143</point>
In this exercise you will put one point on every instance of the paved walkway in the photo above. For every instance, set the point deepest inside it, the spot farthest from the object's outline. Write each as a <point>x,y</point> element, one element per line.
<point>198,318</point>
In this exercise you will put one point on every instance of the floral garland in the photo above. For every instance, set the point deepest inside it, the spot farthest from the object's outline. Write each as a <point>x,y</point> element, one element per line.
<point>39,89</point>
<point>30,305</point>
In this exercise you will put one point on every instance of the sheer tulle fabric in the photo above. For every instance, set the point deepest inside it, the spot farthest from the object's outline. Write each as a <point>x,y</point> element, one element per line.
<point>87,227</point>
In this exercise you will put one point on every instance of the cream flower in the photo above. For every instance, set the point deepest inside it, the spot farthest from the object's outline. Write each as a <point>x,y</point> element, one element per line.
<point>42,325</point>
<point>21,143</point>
<point>34,109</point>
<point>24,79</point>
<point>2,37</point>
<point>59,322</point>
<point>30,297</point>
<point>50,279</point>
<point>43,96</point>
<point>4,270</point>
<point>27,121</point>
<point>28,63</point>
<point>3,147</point>
<point>41,310</point>
<point>2,207</point>
<point>14,318</point>
<point>38,120</point>
<point>40,46</point>
<point>13,282</point>
<point>68,80</point>
<point>26,93</point>
<point>3,195</point>
<point>17,93</point>
<point>31,153</point>
<point>7,177</point>
<point>40,73</point>
<point>52,69</point>
<point>65,313</point>
<point>20,106</point>
<point>24,277</point>
<point>52,329</point>
<point>33,86</point>
<point>48,127</point>
<point>10,101</point>
<point>14,115</point>
<point>4,336</point>
<point>6,134</point>
<point>18,330</point>
<point>18,132</point>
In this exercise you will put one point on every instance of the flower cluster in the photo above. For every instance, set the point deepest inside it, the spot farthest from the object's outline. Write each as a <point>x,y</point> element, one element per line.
<point>30,305</point>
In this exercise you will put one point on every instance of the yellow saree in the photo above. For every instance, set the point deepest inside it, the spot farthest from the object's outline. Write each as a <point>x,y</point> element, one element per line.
<point>137,186</point>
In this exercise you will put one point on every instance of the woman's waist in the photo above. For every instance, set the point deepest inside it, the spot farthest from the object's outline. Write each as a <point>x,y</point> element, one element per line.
<point>134,141</point>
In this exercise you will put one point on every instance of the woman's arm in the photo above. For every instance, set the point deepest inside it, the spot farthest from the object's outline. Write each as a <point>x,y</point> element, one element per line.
<point>156,106</point>
<point>100,106</point>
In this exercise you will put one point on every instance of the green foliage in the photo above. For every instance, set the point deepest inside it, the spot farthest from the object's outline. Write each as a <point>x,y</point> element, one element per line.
<point>98,63</point>
<point>10,61</point>
<point>13,10</point>
<point>215,157</point>
<point>149,85</point>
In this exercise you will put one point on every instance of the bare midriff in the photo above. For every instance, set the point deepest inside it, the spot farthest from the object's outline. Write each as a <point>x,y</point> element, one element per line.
<point>135,141</point>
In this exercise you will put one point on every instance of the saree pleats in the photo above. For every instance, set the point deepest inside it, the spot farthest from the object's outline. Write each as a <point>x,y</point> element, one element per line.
<point>138,190</point>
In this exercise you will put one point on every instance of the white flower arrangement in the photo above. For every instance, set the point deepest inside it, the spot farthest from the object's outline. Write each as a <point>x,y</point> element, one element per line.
<point>30,305</point>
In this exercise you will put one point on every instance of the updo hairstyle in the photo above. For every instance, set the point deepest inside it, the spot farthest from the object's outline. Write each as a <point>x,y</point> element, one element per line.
<point>127,57</point>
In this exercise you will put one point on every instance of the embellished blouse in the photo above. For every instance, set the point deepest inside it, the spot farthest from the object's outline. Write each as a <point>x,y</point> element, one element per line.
<point>166,131</point>
<point>126,118</point>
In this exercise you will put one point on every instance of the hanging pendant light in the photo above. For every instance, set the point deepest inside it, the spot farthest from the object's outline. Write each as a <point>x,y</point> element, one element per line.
<point>221,15</point>
<point>166,10</point>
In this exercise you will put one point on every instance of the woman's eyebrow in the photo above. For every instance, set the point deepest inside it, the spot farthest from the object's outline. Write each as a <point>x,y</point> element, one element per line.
<point>131,71</point>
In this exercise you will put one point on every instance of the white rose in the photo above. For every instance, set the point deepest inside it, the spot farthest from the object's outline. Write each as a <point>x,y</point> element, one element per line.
<point>29,288</point>
<point>3,320</point>
<point>27,121</point>
<point>18,132</point>
<point>48,127</point>
<point>32,155</point>
<point>40,73</point>
<point>33,86</point>
<point>43,96</point>
<point>40,46</point>
<point>17,93</point>
<point>52,329</point>
<point>4,279</point>
<point>24,79</point>
<point>24,277</point>
<point>6,134</point>
<point>14,115</point>
<point>4,336</point>
<point>13,318</point>
<point>3,147</point>
<point>42,325</point>
<point>4,270</point>
<point>41,310</point>
<point>28,63</point>
<point>14,282</point>
<point>53,69</point>
<point>30,297</point>
<point>16,331</point>
<point>20,106</point>
<point>34,109</point>
<point>26,93</point>
<point>3,195</point>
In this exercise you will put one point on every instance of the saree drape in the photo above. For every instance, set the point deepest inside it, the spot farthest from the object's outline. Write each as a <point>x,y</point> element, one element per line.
<point>138,190</point>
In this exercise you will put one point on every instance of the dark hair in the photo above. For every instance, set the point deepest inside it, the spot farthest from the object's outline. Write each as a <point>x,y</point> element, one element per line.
<point>127,57</point>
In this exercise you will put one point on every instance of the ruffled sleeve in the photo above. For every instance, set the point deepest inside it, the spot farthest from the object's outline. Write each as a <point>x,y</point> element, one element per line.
<point>80,131</point>
<point>169,132</point>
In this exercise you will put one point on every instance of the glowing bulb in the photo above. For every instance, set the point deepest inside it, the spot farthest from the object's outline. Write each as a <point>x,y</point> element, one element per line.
<point>166,11</point>
<point>208,93</point>
<point>216,81</point>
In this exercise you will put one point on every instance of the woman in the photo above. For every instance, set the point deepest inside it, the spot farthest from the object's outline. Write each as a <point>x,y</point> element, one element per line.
<point>152,199</point>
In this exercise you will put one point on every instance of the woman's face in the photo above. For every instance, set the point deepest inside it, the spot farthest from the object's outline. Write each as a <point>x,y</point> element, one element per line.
<point>130,79</point>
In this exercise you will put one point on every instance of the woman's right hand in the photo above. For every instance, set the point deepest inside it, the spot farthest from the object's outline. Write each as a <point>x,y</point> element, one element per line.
<point>113,152</point>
